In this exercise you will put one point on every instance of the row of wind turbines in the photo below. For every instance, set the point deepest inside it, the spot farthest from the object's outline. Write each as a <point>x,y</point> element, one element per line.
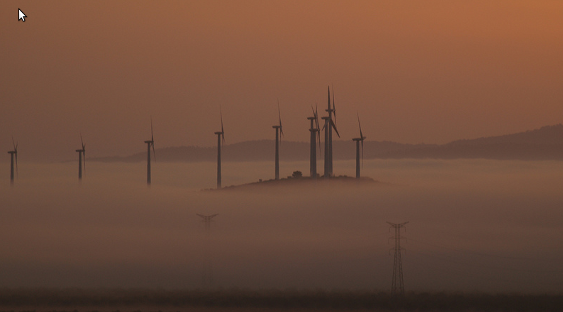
<point>315,136</point>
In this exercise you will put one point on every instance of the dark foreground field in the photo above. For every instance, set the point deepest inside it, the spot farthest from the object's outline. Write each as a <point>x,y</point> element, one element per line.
<point>271,300</point>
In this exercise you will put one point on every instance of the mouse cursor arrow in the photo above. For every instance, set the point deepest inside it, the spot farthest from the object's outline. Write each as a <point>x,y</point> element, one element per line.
<point>21,16</point>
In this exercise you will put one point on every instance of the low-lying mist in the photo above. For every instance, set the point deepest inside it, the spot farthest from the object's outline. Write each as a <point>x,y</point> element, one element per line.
<point>473,225</point>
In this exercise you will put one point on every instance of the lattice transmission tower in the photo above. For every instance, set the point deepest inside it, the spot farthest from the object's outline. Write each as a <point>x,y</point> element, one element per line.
<point>398,286</point>
<point>207,277</point>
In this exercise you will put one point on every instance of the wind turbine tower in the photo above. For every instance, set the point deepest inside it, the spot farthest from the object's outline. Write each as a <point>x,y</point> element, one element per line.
<point>149,145</point>
<point>397,285</point>
<point>358,140</point>
<point>326,173</point>
<point>220,141</point>
<point>315,133</point>
<point>279,134</point>
<point>81,153</point>
<point>13,154</point>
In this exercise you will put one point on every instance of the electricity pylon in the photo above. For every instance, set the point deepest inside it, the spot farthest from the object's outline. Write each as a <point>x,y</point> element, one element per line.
<point>207,277</point>
<point>207,221</point>
<point>398,286</point>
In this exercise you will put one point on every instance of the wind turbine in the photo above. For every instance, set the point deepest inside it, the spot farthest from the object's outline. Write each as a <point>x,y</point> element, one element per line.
<point>149,145</point>
<point>220,134</point>
<point>315,132</point>
<point>13,154</point>
<point>279,134</point>
<point>331,125</point>
<point>358,140</point>
<point>81,153</point>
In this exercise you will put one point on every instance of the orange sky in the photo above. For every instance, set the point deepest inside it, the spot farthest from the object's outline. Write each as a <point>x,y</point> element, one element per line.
<point>431,71</point>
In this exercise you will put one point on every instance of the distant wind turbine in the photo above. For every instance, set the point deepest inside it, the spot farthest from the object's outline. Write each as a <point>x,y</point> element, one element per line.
<point>13,154</point>
<point>149,145</point>
<point>220,141</point>
<point>315,133</point>
<point>328,136</point>
<point>279,134</point>
<point>333,125</point>
<point>81,153</point>
<point>358,140</point>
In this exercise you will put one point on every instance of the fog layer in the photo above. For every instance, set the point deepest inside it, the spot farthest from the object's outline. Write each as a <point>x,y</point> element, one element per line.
<point>473,225</point>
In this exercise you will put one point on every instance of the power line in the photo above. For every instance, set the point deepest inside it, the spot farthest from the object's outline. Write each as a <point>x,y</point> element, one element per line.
<point>462,267</point>
<point>470,263</point>
<point>474,252</point>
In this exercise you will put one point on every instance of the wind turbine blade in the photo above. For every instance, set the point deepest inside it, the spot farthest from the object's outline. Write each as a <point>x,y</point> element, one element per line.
<point>316,114</point>
<point>152,134</point>
<point>362,152</point>
<point>222,129</point>
<point>319,139</point>
<point>329,97</point>
<point>279,118</point>
<point>333,105</point>
<point>334,126</point>
<point>153,151</point>
<point>15,152</point>
<point>83,152</point>
<point>360,126</point>
<point>200,215</point>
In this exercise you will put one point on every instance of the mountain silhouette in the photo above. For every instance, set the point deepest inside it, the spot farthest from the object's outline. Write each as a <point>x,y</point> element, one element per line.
<point>545,143</point>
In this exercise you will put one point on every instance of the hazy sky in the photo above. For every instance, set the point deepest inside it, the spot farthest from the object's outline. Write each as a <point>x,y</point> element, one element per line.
<point>415,71</point>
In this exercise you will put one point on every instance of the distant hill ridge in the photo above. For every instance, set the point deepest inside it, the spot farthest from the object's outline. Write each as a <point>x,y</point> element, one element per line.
<point>545,143</point>
<point>543,135</point>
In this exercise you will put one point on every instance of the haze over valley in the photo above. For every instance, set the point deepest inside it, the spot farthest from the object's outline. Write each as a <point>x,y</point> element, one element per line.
<point>474,225</point>
<point>385,155</point>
